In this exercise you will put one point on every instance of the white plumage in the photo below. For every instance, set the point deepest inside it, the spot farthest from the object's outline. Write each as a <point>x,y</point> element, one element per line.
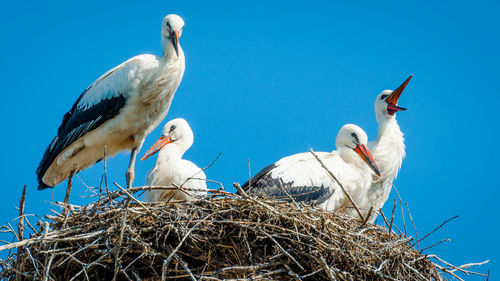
<point>171,169</point>
<point>302,177</point>
<point>117,111</point>
<point>388,151</point>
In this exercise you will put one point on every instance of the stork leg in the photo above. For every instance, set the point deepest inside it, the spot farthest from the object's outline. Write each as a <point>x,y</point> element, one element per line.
<point>130,175</point>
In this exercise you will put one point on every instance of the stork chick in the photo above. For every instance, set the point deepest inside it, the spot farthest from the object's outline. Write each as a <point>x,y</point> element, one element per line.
<point>171,169</point>
<point>388,151</point>
<point>302,177</point>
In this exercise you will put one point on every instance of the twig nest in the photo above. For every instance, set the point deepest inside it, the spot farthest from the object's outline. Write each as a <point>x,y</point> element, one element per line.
<point>214,239</point>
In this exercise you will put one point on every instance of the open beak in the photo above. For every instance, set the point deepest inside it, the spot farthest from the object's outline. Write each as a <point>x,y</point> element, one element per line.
<point>161,142</point>
<point>174,38</point>
<point>363,151</point>
<point>392,99</point>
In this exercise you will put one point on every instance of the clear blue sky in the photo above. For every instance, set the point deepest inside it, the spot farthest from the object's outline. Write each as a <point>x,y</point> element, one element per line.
<point>266,80</point>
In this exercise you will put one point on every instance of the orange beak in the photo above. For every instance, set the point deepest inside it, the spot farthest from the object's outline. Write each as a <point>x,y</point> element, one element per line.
<point>364,152</point>
<point>157,146</point>
<point>392,99</point>
<point>174,38</point>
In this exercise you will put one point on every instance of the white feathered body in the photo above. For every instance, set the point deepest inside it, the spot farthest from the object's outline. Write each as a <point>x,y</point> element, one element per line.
<point>171,169</point>
<point>388,151</point>
<point>148,84</point>
<point>299,173</point>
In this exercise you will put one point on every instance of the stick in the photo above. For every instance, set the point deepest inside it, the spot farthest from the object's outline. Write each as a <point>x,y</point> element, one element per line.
<point>435,244</point>
<point>20,231</point>
<point>413,223</point>
<point>290,197</point>
<point>25,242</point>
<point>338,182</point>
<point>122,231</point>
<point>367,217</point>
<point>51,259</point>
<point>185,266</point>
<point>402,210</point>
<point>327,269</point>
<point>167,260</point>
<point>20,228</point>
<point>209,165</point>
<point>281,248</point>
<point>392,216</point>
<point>243,194</point>
<point>450,219</point>
<point>385,219</point>
<point>131,197</point>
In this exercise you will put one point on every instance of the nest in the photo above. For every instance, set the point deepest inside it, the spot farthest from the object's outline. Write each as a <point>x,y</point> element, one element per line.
<point>119,237</point>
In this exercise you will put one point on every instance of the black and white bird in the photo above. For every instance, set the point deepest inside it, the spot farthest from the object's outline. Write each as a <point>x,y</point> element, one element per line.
<point>302,177</point>
<point>117,111</point>
<point>388,151</point>
<point>171,169</point>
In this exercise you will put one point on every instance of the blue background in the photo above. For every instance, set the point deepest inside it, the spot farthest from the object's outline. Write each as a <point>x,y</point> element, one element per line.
<point>265,80</point>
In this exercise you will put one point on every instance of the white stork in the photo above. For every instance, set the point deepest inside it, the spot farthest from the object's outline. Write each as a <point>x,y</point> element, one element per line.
<point>117,111</point>
<point>171,169</point>
<point>302,177</point>
<point>388,151</point>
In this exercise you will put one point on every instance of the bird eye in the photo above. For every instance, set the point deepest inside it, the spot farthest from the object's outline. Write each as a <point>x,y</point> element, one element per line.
<point>172,128</point>
<point>383,97</point>
<point>168,24</point>
<point>355,137</point>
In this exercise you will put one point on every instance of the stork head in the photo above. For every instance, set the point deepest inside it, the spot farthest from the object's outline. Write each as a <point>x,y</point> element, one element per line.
<point>386,103</point>
<point>353,138</point>
<point>171,31</point>
<point>176,132</point>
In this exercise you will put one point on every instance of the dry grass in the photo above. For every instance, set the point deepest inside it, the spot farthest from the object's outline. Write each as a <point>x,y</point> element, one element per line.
<point>225,236</point>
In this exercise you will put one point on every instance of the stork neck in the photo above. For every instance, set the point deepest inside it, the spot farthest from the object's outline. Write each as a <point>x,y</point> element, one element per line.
<point>168,49</point>
<point>389,149</point>
<point>171,152</point>
<point>388,125</point>
<point>352,158</point>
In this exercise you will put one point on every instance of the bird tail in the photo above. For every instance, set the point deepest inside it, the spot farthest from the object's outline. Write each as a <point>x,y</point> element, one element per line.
<point>42,185</point>
<point>45,164</point>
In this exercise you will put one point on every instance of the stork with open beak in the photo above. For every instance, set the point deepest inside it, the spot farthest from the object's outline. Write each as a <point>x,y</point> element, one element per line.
<point>388,151</point>
<point>302,177</point>
<point>171,169</point>
<point>117,111</point>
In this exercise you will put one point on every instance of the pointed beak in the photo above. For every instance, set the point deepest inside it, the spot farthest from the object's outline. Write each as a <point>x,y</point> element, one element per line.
<point>364,152</point>
<point>392,99</point>
<point>159,144</point>
<point>174,38</point>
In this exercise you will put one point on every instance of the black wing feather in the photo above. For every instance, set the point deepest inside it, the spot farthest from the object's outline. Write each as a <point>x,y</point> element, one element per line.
<point>76,123</point>
<point>263,184</point>
<point>259,179</point>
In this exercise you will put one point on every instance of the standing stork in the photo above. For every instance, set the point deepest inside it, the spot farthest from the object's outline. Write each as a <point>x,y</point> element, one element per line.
<point>117,111</point>
<point>302,177</point>
<point>171,169</point>
<point>388,151</point>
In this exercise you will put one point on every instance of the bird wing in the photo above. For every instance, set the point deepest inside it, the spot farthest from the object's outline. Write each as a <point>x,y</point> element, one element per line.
<point>150,176</point>
<point>299,176</point>
<point>100,102</point>
<point>191,176</point>
<point>149,195</point>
